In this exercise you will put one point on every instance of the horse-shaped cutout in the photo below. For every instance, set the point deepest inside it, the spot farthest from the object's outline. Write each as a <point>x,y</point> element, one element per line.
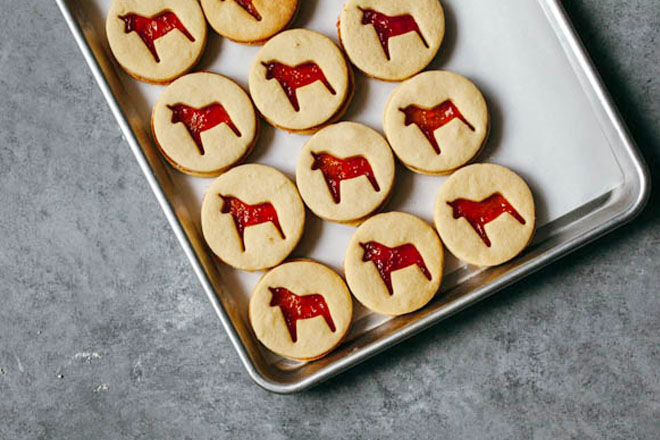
<point>335,170</point>
<point>388,260</point>
<point>390,26</point>
<point>246,215</point>
<point>295,307</point>
<point>152,28</point>
<point>249,7</point>
<point>479,214</point>
<point>198,120</point>
<point>291,78</point>
<point>428,120</point>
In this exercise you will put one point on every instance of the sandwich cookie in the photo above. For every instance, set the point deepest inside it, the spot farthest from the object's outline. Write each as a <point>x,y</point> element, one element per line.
<point>394,263</point>
<point>156,40</point>
<point>485,214</point>
<point>204,123</point>
<point>252,217</point>
<point>300,81</point>
<point>391,39</point>
<point>436,122</point>
<point>345,172</point>
<point>301,310</point>
<point>249,21</point>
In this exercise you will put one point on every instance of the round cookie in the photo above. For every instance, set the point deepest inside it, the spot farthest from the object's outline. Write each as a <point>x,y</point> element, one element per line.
<point>394,263</point>
<point>204,123</point>
<point>300,81</point>
<point>391,39</point>
<point>156,40</point>
<point>301,310</point>
<point>249,21</point>
<point>252,217</point>
<point>436,122</point>
<point>345,172</point>
<point>485,214</point>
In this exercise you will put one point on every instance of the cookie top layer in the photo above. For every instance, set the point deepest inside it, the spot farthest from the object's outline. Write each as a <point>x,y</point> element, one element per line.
<point>394,263</point>
<point>156,40</point>
<point>436,122</point>
<point>301,310</point>
<point>204,123</point>
<point>345,172</point>
<point>299,80</point>
<point>249,21</point>
<point>252,217</point>
<point>391,39</point>
<point>485,214</point>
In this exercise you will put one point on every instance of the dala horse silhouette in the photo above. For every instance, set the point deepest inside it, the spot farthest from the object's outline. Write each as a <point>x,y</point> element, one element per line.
<point>249,7</point>
<point>246,215</point>
<point>335,170</point>
<point>291,78</point>
<point>387,27</point>
<point>152,28</point>
<point>479,214</point>
<point>295,307</point>
<point>198,120</point>
<point>388,260</point>
<point>429,120</point>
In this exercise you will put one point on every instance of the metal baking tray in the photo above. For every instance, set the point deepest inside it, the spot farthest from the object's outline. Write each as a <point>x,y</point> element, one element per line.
<point>552,121</point>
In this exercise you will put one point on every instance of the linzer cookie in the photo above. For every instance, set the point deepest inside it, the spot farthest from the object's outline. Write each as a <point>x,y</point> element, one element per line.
<point>300,81</point>
<point>436,122</point>
<point>156,40</point>
<point>391,39</point>
<point>249,21</point>
<point>394,263</point>
<point>252,217</point>
<point>301,310</point>
<point>204,123</point>
<point>345,172</point>
<point>485,214</point>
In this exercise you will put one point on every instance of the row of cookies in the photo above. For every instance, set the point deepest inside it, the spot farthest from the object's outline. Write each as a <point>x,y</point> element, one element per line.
<point>159,40</point>
<point>205,123</point>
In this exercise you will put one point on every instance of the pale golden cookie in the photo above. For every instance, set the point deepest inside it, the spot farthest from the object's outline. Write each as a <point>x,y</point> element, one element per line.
<point>301,310</point>
<point>156,40</point>
<point>345,172</point>
<point>394,263</point>
<point>485,214</point>
<point>436,122</point>
<point>204,123</point>
<point>249,21</point>
<point>391,39</point>
<point>252,217</point>
<point>300,80</point>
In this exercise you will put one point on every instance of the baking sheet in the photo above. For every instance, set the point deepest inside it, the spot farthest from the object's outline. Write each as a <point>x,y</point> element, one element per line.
<point>543,125</point>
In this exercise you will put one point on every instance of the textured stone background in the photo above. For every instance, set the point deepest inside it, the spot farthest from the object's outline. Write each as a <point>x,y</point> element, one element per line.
<point>105,333</point>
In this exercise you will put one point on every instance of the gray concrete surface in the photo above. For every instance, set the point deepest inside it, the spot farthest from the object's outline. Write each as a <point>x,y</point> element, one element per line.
<point>105,333</point>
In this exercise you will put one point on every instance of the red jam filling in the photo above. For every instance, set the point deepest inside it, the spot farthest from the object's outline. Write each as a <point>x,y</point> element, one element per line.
<point>388,260</point>
<point>479,214</point>
<point>387,27</point>
<point>295,307</point>
<point>429,120</point>
<point>335,170</point>
<point>249,215</point>
<point>293,78</point>
<point>198,120</point>
<point>152,28</point>
<point>249,8</point>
